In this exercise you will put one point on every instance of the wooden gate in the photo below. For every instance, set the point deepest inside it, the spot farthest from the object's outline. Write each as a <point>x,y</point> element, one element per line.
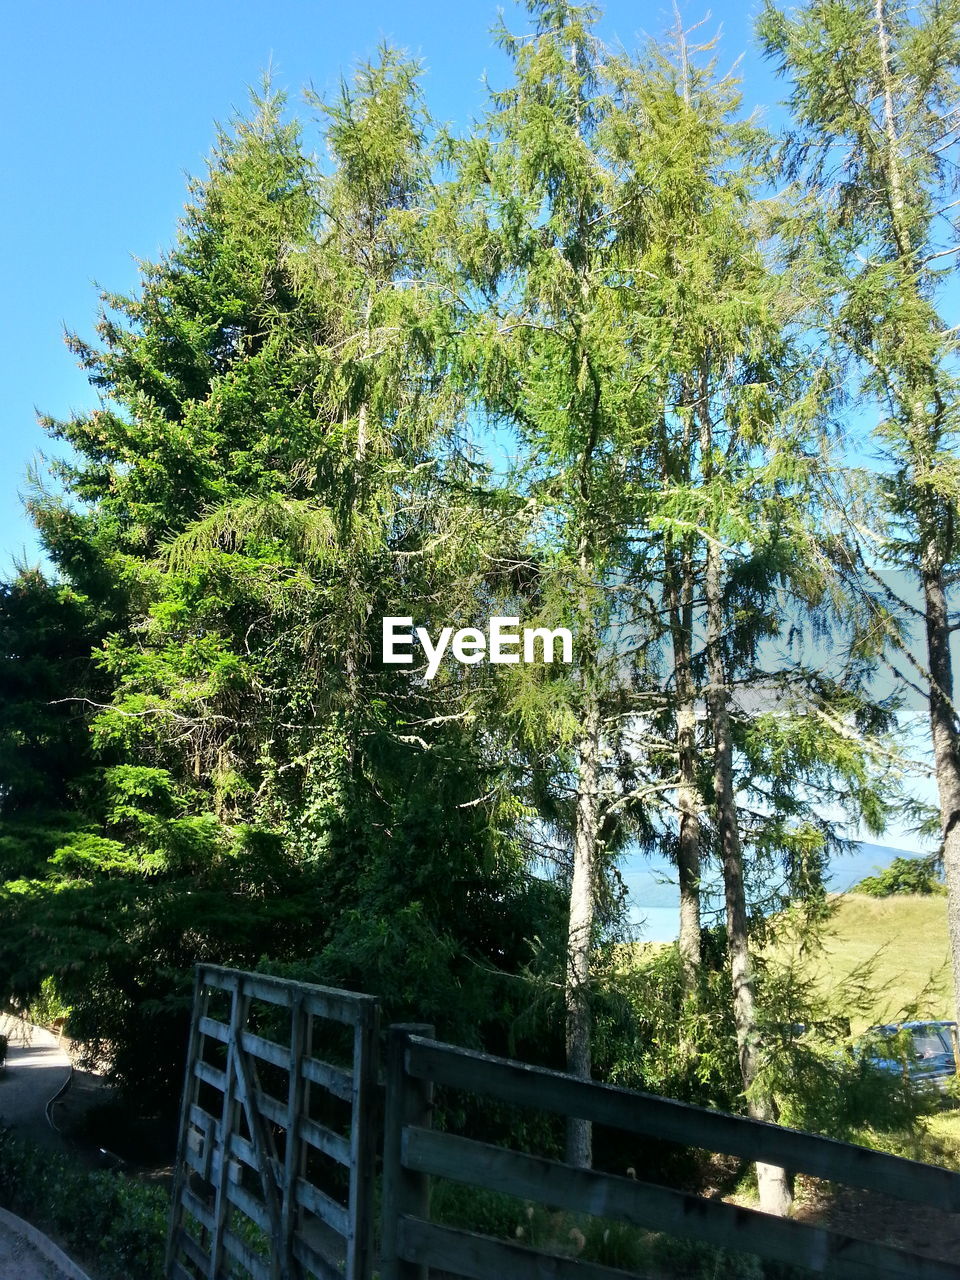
<point>278,1132</point>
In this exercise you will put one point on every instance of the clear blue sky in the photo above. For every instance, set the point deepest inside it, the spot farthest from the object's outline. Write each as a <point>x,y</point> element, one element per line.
<point>109,105</point>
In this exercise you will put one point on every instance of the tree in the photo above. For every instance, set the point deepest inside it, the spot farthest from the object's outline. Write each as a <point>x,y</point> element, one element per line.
<point>739,442</point>
<point>266,477</point>
<point>874,97</point>
<point>540,242</point>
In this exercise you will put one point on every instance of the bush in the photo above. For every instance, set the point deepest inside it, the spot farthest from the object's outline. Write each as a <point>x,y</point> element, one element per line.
<point>904,875</point>
<point>117,1224</point>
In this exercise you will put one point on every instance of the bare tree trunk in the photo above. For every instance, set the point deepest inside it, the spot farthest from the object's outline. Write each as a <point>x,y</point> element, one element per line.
<point>943,732</point>
<point>580,932</point>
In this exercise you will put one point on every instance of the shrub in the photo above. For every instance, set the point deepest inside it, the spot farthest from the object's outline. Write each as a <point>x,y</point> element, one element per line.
<point>115,1222</point>
<point>904,875</point>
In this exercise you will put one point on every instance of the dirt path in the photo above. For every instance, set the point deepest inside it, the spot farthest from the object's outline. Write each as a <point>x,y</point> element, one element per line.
<point>22,1259</point>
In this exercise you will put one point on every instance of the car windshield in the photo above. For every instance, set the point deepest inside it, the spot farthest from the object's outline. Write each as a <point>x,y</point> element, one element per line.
<point>929,1044</point>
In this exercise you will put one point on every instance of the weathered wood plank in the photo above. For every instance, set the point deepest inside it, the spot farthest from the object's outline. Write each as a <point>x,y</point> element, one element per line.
<point>243,1150</point>
<point>241,1252</point>
<point>197,1209</point>
<point>292,1161</point>
<point>214,1029</point>
<point>242,1199</point>
<point>259,986</point>
<point>270,1108</point>
<point>482,1258</point>
<point>325,1207</point>
<point>325,1140</point>
<point>409,1102</point>
<point>268,1050</point>
<point>313,1262</point>
<point>681,1122</point>
<point>210,1075</point>
<point>192,1248</point>
<point>662,1209</point>
<point>334,1079</point>
<point>324,1002</point>
<point>176,1229</point>
<point>226,1125</point>
<point>365,1128</point>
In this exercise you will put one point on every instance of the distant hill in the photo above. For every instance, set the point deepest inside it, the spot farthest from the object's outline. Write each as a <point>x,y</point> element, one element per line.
<point>655,897</point>
<point>904,938</point>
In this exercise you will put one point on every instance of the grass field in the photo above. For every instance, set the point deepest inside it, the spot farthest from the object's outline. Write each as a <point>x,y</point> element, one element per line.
<point>901,942</point>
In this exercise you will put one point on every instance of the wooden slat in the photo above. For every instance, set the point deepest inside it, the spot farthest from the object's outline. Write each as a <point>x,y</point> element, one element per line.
<point>247,1257</point>
<point>463,1253</point>
<point>268,1050</point>
<point>216,1030</point>
<point>662,1209</point>
<point>680,1122</point>
<point>176,1226</point>
<point>250,1205</point>
<point>409,1103</point>
<point>314,1262</point>
<point>201,1119</point>
<point>243,1150</point>
<point>294,1163</point>
<point>229,1117</point>
<point>195,1207</point>
<point>192,1248</point>
<point>270,1108</point>
<point>210,1075</point>
<point>365,1128</point>
<point>323,1002</point>
<point>334,1079</point>
<point>176,1272</point>
<point>325,1140</point>
<point>324,1206</point>
<point>255,986</point>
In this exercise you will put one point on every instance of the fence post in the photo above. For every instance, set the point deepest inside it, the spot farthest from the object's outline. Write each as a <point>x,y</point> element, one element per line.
<point>408,1102</point>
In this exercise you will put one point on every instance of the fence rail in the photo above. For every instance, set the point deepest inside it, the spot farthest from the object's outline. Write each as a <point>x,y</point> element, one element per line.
<point>413,1153</point>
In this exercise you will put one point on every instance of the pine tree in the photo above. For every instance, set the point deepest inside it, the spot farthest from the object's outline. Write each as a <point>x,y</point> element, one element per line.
<point>874,97</point>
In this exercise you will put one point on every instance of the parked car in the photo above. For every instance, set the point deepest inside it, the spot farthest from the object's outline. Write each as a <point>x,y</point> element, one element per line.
<point>927,1052</point>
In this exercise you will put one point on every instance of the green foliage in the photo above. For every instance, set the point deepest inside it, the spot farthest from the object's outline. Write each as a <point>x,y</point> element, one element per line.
<point>905,875</point>
<point>203,758</point>
<point>117,1224</point>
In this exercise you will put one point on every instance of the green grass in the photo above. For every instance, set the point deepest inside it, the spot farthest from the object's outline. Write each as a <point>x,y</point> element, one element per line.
<point>902,940</point>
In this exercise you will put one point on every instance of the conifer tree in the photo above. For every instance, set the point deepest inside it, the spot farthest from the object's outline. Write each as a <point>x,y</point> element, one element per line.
<point>875,100</point>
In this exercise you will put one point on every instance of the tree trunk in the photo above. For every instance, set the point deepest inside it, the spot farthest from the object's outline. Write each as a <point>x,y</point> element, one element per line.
<point>776,1195</point>
<point>580,933</point>
<point>943,732</point>
<point>680,596</point>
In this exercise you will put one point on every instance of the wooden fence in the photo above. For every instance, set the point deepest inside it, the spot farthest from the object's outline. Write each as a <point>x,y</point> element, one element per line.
<point>414,1152</point>
<point>278,1132</point>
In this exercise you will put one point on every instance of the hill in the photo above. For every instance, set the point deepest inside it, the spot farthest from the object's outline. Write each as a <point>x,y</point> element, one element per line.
<point>903,941</point>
